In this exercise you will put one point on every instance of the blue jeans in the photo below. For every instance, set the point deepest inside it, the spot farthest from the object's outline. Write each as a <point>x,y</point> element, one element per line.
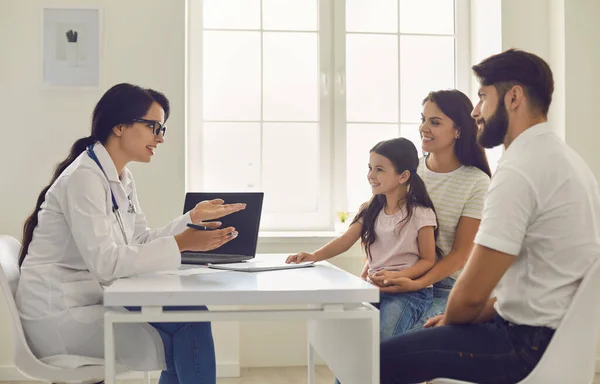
<point>441,291</point>
<point>496,352</point>
<point>398,312</point>
<point>189,350</point>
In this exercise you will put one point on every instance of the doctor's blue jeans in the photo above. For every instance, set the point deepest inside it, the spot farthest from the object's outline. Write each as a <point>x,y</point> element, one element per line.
<point>189,350</point>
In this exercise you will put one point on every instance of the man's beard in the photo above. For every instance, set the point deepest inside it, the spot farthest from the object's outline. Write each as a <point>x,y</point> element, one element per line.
<point>495,128</point>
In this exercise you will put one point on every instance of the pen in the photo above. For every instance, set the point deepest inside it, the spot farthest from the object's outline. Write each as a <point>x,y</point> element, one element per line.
<point>198,227</point>
<point>204,228</point>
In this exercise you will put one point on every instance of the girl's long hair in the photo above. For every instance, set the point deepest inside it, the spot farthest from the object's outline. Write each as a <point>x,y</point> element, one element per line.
<point>404,156</point>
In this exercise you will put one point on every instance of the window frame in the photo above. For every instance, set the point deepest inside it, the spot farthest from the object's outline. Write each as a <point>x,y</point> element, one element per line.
<point>332,192</point>
<point>462,78</point>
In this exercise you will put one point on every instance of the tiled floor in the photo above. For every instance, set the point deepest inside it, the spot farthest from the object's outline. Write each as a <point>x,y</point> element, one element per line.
<point>288,375</point>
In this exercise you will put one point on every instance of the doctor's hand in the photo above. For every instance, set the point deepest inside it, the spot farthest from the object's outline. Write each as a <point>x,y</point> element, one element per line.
<point>197,240</point>
<point>213,209</point>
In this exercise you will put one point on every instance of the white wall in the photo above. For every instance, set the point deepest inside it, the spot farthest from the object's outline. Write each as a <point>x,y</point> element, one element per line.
<point>143,44</point>
<point>582,81</point>
<point>556,38</point>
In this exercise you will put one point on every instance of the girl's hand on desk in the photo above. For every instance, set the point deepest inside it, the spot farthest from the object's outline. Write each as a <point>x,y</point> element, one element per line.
<point>214,209</point>
<point>197,240</point>
<point>301,257</point>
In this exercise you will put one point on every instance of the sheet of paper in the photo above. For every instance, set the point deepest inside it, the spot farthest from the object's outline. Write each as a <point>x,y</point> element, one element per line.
<point>189,270</point>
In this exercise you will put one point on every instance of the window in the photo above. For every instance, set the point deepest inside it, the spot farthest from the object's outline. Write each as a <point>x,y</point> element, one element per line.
<point>288,96</point>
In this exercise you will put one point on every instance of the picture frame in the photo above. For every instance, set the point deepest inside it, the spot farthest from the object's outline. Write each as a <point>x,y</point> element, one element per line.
<point>71,47</point>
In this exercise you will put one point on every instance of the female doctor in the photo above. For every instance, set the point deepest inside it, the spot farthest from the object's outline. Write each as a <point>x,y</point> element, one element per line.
<point>88,230</point>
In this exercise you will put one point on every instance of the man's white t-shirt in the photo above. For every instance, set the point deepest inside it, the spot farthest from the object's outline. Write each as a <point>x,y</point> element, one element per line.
<point>543,207</point>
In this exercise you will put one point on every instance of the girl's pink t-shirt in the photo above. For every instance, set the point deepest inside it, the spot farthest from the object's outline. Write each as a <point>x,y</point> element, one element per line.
<point>396,247</point>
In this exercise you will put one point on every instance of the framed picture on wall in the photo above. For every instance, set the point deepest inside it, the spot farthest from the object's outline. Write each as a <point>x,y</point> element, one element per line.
<point>71,47</point>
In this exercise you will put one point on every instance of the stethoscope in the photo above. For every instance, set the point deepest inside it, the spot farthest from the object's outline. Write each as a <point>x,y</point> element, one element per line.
<point>115,209</point>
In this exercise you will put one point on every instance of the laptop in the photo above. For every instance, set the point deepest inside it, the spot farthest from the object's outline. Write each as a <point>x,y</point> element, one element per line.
<point>246,223</point>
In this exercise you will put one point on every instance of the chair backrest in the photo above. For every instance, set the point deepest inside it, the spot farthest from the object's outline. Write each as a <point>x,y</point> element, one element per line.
<point>9,261</point>
<point>9,279</point>
<point>24,359</point>
<point>571,354</point>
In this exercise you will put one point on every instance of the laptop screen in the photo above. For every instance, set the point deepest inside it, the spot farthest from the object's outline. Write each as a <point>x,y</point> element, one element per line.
<point>246,222</point>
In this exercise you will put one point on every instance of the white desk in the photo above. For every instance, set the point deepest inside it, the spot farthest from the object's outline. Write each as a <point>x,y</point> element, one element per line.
<point>342,327</point>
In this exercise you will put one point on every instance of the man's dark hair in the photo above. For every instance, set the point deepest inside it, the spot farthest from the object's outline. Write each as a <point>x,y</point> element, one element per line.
<point>516,67</point>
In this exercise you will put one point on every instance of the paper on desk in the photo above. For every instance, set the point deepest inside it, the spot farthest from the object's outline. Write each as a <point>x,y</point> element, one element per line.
<point>186,271</point>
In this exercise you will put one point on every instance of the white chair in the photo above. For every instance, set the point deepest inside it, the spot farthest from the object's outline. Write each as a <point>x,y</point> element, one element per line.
<point>571,354</point>
<point>24,360</point>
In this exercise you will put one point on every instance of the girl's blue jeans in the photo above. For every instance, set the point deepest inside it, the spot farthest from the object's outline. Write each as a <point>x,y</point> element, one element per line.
<point>399,312</point>
<point>441,291</point>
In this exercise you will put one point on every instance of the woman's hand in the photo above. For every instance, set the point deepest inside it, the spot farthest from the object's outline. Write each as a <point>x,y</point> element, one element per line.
<point>389,283</point>
<point>213,209</point>
<point>197,240</point>
<point>436,321</point>
<point>382,277</point>
<point>301,257</point>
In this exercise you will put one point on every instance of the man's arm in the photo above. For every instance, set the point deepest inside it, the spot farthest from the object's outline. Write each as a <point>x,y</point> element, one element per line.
<point>469,300</point>
<point>488,313</point>
<point>508,208</point>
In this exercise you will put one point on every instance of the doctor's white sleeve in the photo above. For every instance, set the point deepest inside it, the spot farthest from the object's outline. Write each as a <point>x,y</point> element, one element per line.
<point>91,225</point>
<point>142,234</point>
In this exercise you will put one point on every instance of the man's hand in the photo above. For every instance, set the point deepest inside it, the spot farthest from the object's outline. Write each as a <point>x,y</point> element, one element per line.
<point>437,321</point>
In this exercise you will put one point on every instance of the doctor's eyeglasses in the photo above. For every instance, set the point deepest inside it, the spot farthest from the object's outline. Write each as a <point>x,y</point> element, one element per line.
<point>157,126</point>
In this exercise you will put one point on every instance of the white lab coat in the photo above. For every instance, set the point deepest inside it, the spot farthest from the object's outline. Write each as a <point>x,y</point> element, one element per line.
<point>77,250</point>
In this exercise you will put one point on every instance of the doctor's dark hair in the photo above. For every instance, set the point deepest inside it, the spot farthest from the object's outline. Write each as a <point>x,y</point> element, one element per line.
<point>120,105</point>
<point>403,154</point>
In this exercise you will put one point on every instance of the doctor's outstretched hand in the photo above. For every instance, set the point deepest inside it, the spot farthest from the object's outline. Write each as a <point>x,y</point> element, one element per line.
<point>197,240</point>
<point>214,209</point>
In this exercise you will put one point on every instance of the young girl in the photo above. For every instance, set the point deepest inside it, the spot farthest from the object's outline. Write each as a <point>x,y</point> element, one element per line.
<point>397,228</point>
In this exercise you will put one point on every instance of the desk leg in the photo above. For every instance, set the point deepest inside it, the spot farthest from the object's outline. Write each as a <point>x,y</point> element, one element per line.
<point>109,350</point>
<point>350,347</point>
<point>311,364</point>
